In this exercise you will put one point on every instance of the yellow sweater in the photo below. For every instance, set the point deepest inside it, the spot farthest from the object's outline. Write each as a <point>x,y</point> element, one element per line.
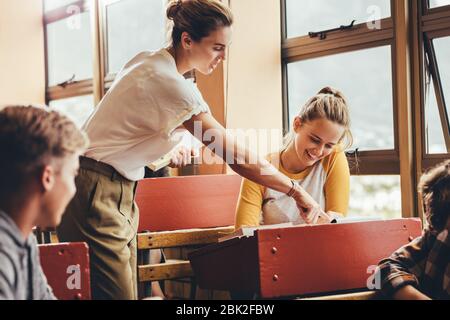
<point>328,182</point>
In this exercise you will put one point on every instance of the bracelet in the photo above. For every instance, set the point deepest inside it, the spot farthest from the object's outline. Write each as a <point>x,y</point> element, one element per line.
<point>292,191</point>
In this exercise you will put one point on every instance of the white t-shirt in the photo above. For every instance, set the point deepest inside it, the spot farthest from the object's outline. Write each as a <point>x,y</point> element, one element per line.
<point>134,123</point>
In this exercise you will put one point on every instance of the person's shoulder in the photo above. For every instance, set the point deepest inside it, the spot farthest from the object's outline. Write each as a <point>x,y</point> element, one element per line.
<point>432,236</point>
<point>8,268</point>
<point>274,159</point>
<point>338,151</point>
<point>338,154</point>
<point>8,240</point>
<point>144,56</point>
<point>159,60</point>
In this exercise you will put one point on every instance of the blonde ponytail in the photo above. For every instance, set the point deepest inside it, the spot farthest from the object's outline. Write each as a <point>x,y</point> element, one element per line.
<point>329,104</point>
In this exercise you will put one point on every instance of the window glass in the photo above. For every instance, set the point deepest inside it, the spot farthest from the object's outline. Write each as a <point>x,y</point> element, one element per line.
<point>78,109</point>
<point>434,135</point>
<point>442,49</point>
<point>375,196</point>
<point>439,3</point>
<point>69,49</point>
<point>134,26</point>
<point>365,78</point>
<point>318,15</point>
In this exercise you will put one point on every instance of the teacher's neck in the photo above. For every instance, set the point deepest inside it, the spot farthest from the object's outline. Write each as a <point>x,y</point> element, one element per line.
<point>181,60</point>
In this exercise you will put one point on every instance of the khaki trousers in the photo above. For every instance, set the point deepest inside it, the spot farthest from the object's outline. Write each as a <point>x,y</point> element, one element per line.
<point>103,213</point>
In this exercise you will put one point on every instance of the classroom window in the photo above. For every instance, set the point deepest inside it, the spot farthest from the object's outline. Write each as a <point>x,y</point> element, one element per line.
<point>89,41</point>
<point>133,26</point>
<point>306,16</point>
<point>359,61</point>
<point>436,85</point>
<point>438,3</point>
<point>69,49</point>
<point>69,55</point>
<point>375,196</point>
<point>365,78</point>
<point>78,109</point>
<point>365,62</point>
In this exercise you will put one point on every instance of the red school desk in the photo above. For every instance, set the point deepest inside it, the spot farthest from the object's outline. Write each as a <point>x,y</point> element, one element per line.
<point>301,260</point>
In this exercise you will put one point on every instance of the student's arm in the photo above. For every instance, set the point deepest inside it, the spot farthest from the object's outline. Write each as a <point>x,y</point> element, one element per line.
<point>5,288</point>
<point>408,292</point>
<point>401,273</point>
<point>337,185</point>
<point>248,210</point>
<point>6,276</point>
<point>261,171</point>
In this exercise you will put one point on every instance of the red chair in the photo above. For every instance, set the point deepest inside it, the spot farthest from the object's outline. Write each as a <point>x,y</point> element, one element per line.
<point>182,212</point>
<point>66,266</point>
<point>179,203</point>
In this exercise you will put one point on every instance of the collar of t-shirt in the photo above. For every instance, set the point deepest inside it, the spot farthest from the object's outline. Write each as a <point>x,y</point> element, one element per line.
<point>12,230</point>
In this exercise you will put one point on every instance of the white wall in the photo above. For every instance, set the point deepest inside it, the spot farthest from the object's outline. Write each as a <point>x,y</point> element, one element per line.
<point>254,74</point>
<point>22,63</point>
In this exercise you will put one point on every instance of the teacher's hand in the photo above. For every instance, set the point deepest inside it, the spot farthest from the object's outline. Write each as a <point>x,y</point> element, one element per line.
<point>181,157</point>
<point>310,210</point>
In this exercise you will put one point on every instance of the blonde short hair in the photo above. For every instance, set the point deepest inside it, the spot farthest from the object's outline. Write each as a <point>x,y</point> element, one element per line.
<point>329,104</point>
<point>29,138</point>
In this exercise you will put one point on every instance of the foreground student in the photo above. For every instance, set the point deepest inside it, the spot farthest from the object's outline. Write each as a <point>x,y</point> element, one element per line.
<point>421,269</point>
<point>313,156</point>
<point>39,162</point>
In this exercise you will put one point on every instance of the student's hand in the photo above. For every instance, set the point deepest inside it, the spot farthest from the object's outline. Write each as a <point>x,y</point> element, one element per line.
<point>181,157</point>
<point>310,210</point>
<point>325,218</point>
<point>329,217</point>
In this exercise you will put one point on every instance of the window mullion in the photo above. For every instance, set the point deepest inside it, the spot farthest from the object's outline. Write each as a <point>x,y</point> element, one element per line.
<point>78,88</point>
<point>360,36</point>
<point>97,63</point>
<point>434,71</point>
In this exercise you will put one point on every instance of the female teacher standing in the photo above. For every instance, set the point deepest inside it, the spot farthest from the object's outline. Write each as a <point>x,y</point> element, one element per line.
<point>134,125</point>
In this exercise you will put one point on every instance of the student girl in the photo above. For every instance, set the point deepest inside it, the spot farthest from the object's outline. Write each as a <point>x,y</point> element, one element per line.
<point>134,125</point>
<point>313,156</point>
